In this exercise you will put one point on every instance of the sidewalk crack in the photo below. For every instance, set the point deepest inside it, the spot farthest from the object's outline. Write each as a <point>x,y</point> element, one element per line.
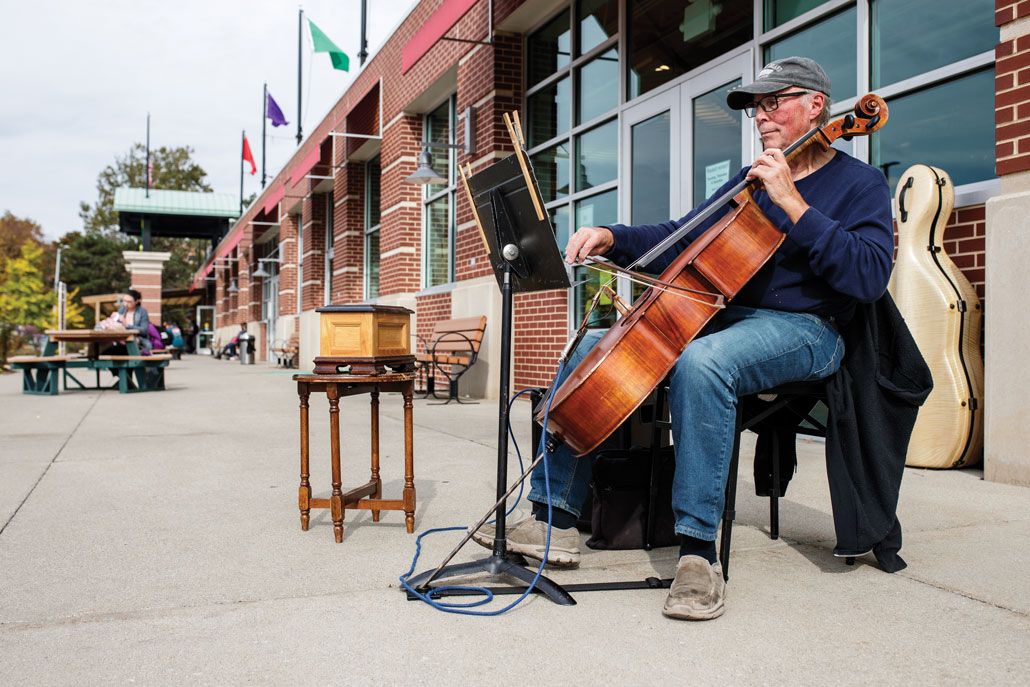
<point>47,468</point>
<point>965,595</point>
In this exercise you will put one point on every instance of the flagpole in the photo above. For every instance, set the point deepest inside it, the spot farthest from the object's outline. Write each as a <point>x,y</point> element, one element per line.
<point>364,43</point>
<point>146,170</point>
<point>243,142</point>
<point>300,38</point>
<point>264,121</point>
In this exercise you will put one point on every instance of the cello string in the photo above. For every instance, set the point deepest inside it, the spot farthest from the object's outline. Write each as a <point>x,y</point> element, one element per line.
<point>642,282</point>
<point>653,281</point>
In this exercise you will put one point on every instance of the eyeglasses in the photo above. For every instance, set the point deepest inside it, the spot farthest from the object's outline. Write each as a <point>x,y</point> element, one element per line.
<point>769,102</point>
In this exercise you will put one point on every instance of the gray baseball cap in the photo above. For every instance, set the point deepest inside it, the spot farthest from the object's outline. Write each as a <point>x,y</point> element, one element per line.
<point>779,74</point>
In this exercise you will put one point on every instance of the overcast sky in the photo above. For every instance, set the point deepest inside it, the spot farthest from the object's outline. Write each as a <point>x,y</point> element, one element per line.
<point>78,77</point>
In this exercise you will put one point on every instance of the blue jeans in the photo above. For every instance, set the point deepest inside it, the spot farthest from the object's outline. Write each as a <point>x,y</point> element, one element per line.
<point>741,351</point>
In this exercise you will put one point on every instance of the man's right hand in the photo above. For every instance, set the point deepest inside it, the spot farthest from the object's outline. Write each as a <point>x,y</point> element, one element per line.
<point>588,241</point>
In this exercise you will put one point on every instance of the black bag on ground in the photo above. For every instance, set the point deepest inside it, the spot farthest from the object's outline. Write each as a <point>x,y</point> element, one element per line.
<point>620,491</point>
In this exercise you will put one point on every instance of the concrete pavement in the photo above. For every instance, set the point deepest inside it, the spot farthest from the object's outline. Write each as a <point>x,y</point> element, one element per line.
<point>154,539</point>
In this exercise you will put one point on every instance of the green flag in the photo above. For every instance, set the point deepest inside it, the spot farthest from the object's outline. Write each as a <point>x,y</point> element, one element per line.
<point>323,44</point>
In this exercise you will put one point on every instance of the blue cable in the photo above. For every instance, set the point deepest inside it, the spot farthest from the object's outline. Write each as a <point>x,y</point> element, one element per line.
<point>463,608</point>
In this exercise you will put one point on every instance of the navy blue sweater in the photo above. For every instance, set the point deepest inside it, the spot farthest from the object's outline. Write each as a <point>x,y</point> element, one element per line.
<point>839,252</point>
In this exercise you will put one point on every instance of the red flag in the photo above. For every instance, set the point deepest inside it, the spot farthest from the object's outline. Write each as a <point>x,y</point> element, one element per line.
<point>248,156</point>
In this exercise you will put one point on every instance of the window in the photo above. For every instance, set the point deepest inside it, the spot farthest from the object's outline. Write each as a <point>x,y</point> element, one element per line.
<point>779,12</point>
<point>438,199</point>
<point>924,58</point>
<point>372,179</point>
<point>935,93</point>
<point>572,123</point>
<point>668,39</point>
<point>931,60</point>
<point>948,31</point>
<point>833,43</point>
<point>329,241</point>
<point>270,284</point>
<point>921,120</point>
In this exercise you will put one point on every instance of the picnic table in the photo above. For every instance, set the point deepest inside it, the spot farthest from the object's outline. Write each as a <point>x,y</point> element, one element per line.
<point>135,372</point>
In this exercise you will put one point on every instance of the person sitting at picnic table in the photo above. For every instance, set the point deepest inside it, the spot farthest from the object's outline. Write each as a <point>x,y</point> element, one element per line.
<point>230,348</point>
<point>133,317</point>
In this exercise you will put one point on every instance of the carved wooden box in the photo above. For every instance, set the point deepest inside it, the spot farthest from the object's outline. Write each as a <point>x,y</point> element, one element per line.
<point>367,338</point>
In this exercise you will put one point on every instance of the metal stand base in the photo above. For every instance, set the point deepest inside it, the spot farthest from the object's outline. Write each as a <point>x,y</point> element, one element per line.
<point>511,564</point>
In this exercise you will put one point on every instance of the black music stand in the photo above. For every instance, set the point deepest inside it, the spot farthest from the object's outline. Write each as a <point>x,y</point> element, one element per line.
<point>525,257</point>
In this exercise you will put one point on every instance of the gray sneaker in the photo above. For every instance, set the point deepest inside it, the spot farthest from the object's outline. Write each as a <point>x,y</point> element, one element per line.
<point>698,591</point>
<point>528,538</point>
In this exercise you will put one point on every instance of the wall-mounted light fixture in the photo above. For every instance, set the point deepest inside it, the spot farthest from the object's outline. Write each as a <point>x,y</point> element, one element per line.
<point>425,174</point>
<point>261,271</point>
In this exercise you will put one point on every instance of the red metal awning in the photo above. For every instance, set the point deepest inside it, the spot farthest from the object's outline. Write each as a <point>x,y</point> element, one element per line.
<point>273,199</point>
<point>306,164</point>
<point>446,16</point>
<point>226,246</point>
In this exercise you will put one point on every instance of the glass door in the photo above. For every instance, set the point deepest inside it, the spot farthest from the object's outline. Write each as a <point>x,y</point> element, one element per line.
<point>651,167</point>
<point>206,324</point>
<point>270,303</point>
<point>717,141</point>
<point>682,144</point>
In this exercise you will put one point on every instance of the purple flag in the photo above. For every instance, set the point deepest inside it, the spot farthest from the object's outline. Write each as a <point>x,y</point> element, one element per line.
<point>274,113</point>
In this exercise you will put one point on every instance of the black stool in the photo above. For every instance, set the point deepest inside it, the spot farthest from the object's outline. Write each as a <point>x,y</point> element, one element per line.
<point>795,400</point>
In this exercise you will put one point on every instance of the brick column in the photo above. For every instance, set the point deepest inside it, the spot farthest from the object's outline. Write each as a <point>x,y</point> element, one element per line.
<point>1006,375</point>
<point>400,233</point>
<point>145,268</point>
<point>288,267</point>
<point>313,209</point>
<point>349,228</point>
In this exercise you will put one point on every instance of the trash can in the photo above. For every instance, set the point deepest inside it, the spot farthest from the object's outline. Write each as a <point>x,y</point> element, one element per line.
<point>245,344</point>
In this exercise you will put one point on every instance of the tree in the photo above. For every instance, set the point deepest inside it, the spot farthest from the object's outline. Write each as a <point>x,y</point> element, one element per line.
<point>173,171</point>
<point>91,260</point>
<point>25,301</point>
<point>15,231</point>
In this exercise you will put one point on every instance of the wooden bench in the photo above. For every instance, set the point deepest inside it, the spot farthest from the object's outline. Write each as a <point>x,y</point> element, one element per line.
<point>454,349</point>
<point>173,351</point>
<point>287,355</point>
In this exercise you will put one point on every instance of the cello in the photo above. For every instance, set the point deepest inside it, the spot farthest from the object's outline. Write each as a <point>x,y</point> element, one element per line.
<point>639,350</point>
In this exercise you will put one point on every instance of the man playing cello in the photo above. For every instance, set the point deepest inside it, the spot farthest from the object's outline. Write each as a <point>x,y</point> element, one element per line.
<point>782,326</point>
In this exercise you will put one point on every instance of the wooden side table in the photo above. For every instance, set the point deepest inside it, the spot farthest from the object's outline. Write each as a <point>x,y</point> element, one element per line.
<point>369,495</point>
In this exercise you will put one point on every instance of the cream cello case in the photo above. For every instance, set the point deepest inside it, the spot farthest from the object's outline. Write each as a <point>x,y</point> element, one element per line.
<point>942,311</point>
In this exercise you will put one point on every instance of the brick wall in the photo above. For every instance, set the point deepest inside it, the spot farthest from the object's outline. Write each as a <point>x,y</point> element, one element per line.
<point>1006,11</point>
<point>540,336</point>
<point>1012,100</point>
<point>432,309</point>
<point>491,82</point>
<point>250,265</point>
<point>313,214</point>
<point>348,230</point>
<point>400,234</point>
<point>288,268</point>
<point>222,313</point>
<point>964,243</point>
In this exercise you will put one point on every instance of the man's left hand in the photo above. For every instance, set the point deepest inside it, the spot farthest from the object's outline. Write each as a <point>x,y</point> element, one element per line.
<point>772,170</point>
